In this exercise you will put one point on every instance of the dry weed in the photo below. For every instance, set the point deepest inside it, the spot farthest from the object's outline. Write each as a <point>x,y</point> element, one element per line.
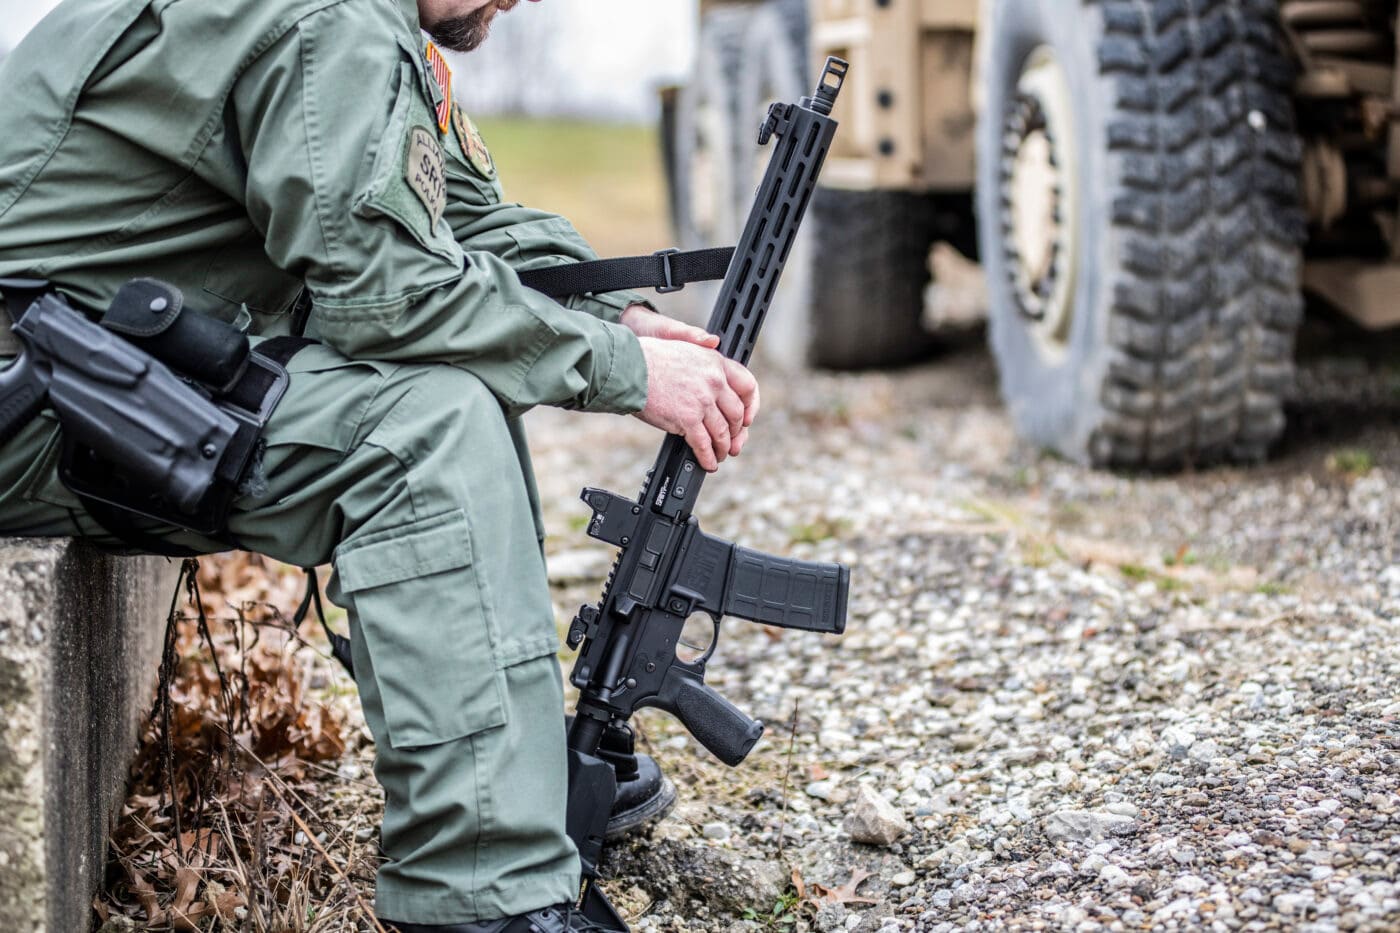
<point>235,820</point>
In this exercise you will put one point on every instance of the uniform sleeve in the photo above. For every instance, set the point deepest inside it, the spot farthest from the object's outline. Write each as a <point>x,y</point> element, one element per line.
<point>532,239</point>
<point>345,180</point>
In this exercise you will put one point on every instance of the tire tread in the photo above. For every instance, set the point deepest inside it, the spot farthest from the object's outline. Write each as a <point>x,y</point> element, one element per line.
<point>1208,222</point>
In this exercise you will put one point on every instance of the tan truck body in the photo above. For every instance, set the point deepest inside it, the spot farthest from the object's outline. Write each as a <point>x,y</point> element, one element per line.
<point>909,119</point>
<point>908,122</point>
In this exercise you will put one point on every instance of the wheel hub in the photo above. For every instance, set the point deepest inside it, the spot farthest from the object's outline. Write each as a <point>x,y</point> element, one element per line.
<point>1038,200</point>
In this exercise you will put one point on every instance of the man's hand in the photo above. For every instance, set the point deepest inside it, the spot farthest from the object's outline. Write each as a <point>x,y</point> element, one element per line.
<point>692,390</point>
<point>645,322</point>
<point>695,392</point>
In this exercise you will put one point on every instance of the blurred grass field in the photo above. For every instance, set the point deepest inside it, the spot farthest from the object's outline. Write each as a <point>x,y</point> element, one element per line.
<point>606,178</point>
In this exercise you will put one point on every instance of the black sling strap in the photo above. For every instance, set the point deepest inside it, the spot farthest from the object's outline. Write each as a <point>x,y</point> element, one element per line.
<point>666,271</point>
<point>281,349</point>
<point>340,644</point>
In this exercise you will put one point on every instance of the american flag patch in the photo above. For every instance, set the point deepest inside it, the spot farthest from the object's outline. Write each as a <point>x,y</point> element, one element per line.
<point>443,76</point>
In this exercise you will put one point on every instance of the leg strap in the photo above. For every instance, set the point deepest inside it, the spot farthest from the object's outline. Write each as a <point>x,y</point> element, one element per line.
<point>340,645</point>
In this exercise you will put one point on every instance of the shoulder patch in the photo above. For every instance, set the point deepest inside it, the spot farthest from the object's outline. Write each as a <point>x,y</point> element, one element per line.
<point>473,146</point>
<point>424,172</point>
<point>442,76</point>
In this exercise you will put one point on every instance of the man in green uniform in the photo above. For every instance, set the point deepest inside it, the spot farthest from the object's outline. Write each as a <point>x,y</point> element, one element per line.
<point>254,151</point>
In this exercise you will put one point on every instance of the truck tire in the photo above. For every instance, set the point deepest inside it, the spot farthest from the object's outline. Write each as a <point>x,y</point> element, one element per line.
<point>867,303</point>
<point>1140,225</point>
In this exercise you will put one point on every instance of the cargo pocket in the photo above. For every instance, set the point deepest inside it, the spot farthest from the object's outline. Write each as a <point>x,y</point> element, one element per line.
<point>426,621</point>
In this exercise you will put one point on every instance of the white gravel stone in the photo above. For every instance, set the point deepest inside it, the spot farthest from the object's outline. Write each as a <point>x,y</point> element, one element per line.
<point>582,565</point>
<point>1114,877</point>
<point>716,832</point>
<point>1190,884</point>
<point>1086,824</point>
<point>873,820</point>
<point>1205,750</point>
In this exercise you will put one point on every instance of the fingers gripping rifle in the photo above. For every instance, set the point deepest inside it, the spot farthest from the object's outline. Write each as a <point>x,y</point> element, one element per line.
<point>668,569</point>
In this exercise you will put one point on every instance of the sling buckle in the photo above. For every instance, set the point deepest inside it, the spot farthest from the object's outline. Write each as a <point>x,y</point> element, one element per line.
<point>670,285</point>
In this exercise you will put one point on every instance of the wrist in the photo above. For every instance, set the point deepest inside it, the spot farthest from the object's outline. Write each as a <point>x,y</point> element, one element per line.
<point>634,313</point>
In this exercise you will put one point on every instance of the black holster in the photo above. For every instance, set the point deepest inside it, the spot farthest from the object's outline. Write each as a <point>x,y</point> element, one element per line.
<point>161,411</point>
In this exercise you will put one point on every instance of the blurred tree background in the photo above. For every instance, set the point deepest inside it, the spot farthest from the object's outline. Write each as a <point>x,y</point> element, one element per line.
<point>566,94</point>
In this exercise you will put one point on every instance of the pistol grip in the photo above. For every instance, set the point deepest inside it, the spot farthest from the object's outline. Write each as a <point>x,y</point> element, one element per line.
<point>22,395</point>
<point>716,723</point>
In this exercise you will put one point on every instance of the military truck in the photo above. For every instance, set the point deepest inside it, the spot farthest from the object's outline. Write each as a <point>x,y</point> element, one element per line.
<point>1153,185</point>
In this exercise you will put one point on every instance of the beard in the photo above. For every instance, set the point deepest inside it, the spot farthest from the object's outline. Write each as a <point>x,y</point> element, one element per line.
<point>465,33</point>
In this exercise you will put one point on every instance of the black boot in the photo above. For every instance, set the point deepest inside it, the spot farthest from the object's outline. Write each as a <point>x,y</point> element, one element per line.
<point>561,919</point>
<point>644,795</point>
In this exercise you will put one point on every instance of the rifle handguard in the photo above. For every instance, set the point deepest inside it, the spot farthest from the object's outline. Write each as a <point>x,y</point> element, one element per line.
<point>716,723</point>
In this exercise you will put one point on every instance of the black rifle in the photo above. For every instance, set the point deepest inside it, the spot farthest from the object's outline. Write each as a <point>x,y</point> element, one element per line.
<point>668,569</point>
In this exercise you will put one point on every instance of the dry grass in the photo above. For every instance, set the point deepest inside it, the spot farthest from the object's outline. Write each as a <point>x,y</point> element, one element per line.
<point>607,179</point>
<point>238,818</point>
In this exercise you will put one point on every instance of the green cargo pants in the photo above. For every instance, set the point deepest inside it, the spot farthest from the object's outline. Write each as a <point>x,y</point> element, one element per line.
<point>412,480</point>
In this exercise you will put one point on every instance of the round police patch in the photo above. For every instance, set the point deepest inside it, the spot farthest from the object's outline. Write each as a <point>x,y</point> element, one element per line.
<point>473,146</point>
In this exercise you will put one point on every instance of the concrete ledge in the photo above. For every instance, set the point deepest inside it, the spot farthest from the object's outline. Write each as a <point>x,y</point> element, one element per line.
<point>80,640</point>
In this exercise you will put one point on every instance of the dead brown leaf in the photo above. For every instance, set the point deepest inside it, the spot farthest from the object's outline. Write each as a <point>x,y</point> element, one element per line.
<point>799,886</point>
<point>186,886</point>
<point>146,895</point>
<point>844,894</point>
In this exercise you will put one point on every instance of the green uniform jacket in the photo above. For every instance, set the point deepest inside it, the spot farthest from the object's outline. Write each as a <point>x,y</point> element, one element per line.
<point>295,143</point>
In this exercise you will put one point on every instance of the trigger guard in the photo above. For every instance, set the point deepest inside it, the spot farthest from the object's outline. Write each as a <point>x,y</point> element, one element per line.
<point>698,665</point>
<point>704,659</point>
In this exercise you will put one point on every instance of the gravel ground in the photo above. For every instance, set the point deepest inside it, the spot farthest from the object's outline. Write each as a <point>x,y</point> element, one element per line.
<point>1075,700</point>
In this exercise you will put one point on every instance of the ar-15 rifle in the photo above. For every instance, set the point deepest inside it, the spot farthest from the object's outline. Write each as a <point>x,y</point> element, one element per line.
<point>668,569</point>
